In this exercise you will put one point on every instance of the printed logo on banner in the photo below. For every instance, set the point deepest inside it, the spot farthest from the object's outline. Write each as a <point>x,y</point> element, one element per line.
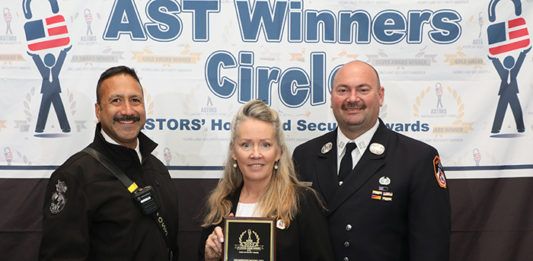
<point>167,154</point>
<point>438,91</point>
<point>508,36</point>
<point>442,103</point>
<point>186,57</point>
<point>13,156</point>
<point>44,36</point>
<point>87,18</point>
<point>107,55</point>
<point>8,36</point>
<point>10,58</point>
<point>48,33</point>
<point>509,43</point>
<point>8,17</point>
<point>460,58</point>
<point>209,108</point>
<point>386,59</point>
<point>8,155</point>
<point>481,23</point>
<point>476,155</point>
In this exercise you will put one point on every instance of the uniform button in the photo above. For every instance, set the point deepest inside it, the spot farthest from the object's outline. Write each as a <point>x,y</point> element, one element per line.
<point>346,258</point>
<point>340,183</point>
<point>348,227</point>
<point>346,244</point>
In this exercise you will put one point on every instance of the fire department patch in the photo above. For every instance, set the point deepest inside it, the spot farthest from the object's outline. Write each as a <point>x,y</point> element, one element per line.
<point>58,201</point>
<point>439,172</point>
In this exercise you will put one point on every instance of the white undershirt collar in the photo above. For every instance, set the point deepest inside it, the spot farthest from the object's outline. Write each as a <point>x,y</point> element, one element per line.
<point>246,210</point>
<point>361,142</point>
<point>112,141</point>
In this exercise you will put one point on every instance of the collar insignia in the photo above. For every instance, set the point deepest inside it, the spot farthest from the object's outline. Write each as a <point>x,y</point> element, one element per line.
<point>326,148</point>
<point>385,181</point>
<point>377,148</point>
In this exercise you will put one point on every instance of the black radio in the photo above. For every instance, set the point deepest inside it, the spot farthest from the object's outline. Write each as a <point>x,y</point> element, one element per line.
<point>146,200</point>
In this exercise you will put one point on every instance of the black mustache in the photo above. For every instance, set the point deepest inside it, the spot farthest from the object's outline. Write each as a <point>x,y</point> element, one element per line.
<point>354,105</point>
<point>127,118</point>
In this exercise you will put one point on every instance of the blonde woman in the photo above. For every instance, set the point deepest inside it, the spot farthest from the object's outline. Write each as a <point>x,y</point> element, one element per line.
<point>259,181</point>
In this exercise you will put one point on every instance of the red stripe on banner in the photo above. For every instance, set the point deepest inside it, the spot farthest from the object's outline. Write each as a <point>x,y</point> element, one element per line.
<point>516,22</point>
<point>518,33</point>
<point>509,47</point>
<point>49,44</point>
<point>60,18</point>
<point>63,30</point>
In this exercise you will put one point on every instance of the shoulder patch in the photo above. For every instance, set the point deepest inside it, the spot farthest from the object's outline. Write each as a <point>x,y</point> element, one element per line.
<point>439,172</point>
<point>59,199</point>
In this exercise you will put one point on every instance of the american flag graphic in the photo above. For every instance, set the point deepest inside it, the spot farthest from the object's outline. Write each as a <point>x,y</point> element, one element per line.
<point>46,33</point>
<point>7,15</point>
<point>88,17</point>
<point>507,36</point>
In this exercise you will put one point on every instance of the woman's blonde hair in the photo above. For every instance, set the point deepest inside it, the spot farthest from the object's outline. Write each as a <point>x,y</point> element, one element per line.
<point>280,198</point>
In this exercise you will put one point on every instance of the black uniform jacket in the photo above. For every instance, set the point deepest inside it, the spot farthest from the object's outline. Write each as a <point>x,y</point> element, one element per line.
<point>305,239</point>
<point>90,215</point>
<point>391,207</point>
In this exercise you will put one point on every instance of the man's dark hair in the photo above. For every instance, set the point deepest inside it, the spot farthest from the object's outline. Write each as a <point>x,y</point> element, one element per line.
<point>112,72</point>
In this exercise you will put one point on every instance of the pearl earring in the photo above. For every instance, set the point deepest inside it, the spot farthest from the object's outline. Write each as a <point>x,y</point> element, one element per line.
<point>235,165</point>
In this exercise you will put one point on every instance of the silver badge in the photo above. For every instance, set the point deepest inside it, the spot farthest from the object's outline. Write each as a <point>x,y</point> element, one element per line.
<point>326,148</point>
<point>377,148</point>
<point>384,181</point>
<point>59,200</point>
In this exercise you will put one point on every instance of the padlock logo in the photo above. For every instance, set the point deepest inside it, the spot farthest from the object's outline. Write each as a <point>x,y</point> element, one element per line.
<point>508,36</point>
<point>46,33</point>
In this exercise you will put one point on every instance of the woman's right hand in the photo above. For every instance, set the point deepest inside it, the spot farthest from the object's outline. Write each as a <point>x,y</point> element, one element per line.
<point>213,245</point>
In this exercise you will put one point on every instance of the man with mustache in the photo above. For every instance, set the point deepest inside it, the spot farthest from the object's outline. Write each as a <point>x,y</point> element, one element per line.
<point>89,213</point>
<point>386,193</point>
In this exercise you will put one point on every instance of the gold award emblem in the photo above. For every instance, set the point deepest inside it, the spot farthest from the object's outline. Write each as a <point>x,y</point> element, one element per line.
<point>251,244</point>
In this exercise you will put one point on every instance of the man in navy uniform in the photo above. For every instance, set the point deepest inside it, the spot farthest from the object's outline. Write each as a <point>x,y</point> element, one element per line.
<point>387,199</point>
